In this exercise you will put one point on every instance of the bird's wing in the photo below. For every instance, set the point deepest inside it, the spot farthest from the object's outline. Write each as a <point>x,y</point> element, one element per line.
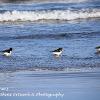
<point>7,50</point>
<point>57,50</point>
<point>97,47</point>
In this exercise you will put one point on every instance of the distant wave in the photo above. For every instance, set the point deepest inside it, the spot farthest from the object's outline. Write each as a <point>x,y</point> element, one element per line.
<point>49,15</point>
<point>54,36</point>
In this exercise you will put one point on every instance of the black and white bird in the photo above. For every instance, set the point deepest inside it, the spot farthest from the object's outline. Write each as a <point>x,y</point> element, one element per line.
<point>57,52</point>
<point>7,52</point>
<point>98,49</point>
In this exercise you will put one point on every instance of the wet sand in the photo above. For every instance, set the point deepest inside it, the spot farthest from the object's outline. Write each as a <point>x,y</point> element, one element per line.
<point>50,85</point>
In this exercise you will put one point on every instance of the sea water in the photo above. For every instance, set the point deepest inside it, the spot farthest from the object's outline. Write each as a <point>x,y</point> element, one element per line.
<point>35,28</point>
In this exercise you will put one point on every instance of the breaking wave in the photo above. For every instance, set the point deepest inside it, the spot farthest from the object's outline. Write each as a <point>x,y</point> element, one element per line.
<point>22,1</point>
<point>69,14</point>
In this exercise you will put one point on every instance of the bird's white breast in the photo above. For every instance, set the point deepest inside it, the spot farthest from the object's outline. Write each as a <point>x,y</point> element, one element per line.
<point>57,53</point>
<point>7,54</point>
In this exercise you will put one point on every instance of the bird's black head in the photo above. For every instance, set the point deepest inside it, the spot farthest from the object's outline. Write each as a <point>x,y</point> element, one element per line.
<point>10,49</point>
<point>60,48</point>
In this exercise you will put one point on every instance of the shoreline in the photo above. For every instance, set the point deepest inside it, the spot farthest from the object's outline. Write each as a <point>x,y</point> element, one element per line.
<point>53,70</point>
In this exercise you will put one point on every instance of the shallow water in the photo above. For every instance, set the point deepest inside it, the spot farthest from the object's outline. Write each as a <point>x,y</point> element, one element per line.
<point>33,43</point>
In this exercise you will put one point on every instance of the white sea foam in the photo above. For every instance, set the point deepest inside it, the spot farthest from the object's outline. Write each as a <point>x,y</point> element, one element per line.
<point>38,1</point>
<point>49,15</point>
